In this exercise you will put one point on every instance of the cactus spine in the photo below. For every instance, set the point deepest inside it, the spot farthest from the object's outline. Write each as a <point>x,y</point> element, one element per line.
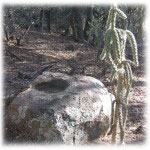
<point>115,41</point>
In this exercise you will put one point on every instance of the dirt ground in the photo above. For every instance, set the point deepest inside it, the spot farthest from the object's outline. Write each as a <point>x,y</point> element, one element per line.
<point>62,54</point>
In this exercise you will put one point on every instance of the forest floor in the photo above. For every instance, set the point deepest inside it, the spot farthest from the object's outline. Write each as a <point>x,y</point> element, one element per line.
<point>66,56</point>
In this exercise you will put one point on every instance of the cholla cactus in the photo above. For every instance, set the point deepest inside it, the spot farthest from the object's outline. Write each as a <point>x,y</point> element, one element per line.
<point>114,53</point>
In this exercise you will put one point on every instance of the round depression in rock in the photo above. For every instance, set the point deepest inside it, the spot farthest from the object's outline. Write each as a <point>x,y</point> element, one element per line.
<point>52,86</point>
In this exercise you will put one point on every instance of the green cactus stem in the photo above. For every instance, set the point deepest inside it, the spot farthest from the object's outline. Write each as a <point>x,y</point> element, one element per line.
<point>116,115</point>
<point>115,41</point>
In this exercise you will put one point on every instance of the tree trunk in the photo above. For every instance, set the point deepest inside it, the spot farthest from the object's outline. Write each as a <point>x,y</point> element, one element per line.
<point>66,32</point>
<point>88,21</point>
<point>6,34</point>
<point>9,21</point>
<point>73,25</point>
<point>42,20</point>
<point>18,40</point>
<point>77,24</point>
<point>48,20</point>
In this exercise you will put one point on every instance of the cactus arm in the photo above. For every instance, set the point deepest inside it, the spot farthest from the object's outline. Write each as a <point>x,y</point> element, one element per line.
<point>129,80</point>
<point>116,116</point>
<point>110,60</point>
<point>128,61</point>
<point>133,43</point>
<point>107,40</point>
<point>113,18</point>
<point>112,81</point>
<point>121,14</point>
<point>122,41</point>
<point>116,43</point>
<point>108,23</point>
<point>103,54</point>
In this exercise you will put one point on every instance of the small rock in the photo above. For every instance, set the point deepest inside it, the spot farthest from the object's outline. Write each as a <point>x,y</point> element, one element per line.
<point>26,75</point>
<point>61,41</point>
<point>69,47</point>
<point>138,130</point>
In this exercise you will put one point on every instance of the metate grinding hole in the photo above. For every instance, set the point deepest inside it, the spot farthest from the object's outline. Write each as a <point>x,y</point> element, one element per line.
<point>52,86</point>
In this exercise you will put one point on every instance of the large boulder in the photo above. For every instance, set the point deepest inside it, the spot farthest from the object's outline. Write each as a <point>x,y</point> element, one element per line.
<point>58,108</point>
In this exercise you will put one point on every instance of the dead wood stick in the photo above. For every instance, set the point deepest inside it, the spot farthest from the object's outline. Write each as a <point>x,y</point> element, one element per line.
<point>11,54</point>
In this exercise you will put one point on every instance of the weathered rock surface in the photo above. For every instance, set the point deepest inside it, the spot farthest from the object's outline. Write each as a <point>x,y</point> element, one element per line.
<point>58,108</point>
